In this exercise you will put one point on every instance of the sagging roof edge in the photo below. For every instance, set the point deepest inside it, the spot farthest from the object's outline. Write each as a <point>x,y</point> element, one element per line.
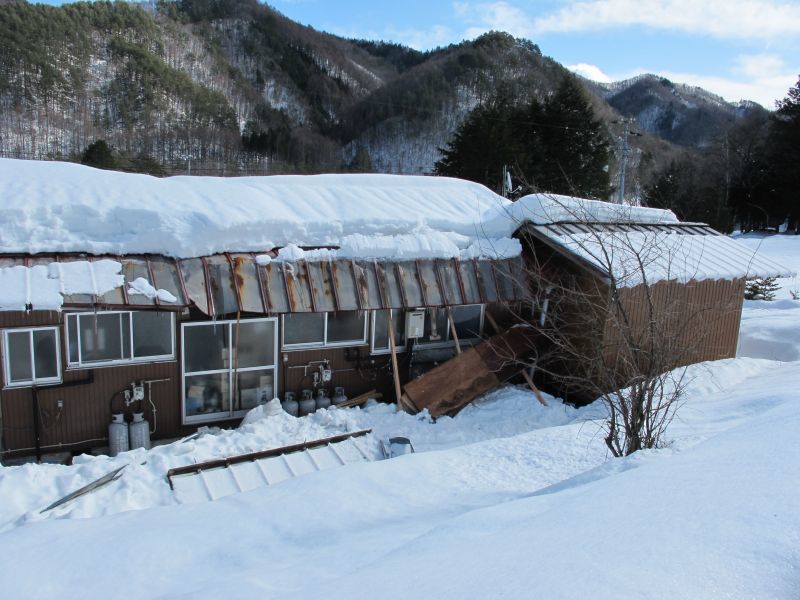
<point>230,283</point>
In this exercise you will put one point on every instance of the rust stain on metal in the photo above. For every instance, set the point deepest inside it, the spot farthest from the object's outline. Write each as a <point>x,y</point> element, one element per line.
<point>361,287</point>
<point>459,280</point>
<point>309,285</point>
<point>479,280</point>
<point>236,275</point>
<point>262,288</point>
<point>423,288</point>
<point>401,283</point>
<point>446,299</point>
<point>334,286</point>
<point>288,280</point>
<point>380,277</point>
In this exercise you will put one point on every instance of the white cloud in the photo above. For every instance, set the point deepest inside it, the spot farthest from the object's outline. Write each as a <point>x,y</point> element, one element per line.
<point>592,72</point>
<point>742,19</point>
<point>422,39</point>
<point>493,16</point>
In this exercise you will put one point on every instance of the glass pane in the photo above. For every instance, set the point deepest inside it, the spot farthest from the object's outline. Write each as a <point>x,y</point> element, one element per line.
<point>304,328</point>
<point>101,337</point>
<point>253,388</point>
<point>381,332</point>
<point>165,272</point>
<point>19,356</point>
<point>436,326</point>
<point>45,354</point>
<point>207,394</point>
<point>346,327</point>
<point>467,320</point>
<point>221,284</point>
<point>256,343</point>
<point>72,338</point>
<point>205,347</point>
<point>152,334</point>
<point>125,331</point>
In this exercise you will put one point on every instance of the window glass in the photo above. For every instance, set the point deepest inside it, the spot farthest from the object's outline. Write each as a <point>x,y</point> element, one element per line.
<point>100,337</point>
<point>346,327</point>
<point>205,347</point>
<point>152,334</point>
<point>436,328</point>
<point>304,328</point>
<point>18,346</point>
<point>256,343</point>
<point>467,320</point>
<point>207,394</point>
<point>380,339</point>
<point>72,337</point>
<point>45,353</point>
<point>253,388</point>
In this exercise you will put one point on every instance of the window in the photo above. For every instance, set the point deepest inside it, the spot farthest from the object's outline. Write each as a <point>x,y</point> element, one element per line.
<point>228,367</point>
<point>31,356</point>
<point>380,330</point>
<point>119,337</point>
<point>468,321</point>
<point>307,330</point>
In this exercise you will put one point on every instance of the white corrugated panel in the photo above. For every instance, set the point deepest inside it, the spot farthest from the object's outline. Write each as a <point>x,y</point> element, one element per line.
<point>665,254</point>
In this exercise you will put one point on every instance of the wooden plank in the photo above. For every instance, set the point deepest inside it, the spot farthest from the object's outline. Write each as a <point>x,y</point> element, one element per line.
<point>395,371</point>
<point>533,387</point>
<point>453,330</point>
<point>359,399</point>
<point>448,388</point>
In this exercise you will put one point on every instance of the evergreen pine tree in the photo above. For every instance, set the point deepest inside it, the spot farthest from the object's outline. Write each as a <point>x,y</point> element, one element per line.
<point>785,157</point>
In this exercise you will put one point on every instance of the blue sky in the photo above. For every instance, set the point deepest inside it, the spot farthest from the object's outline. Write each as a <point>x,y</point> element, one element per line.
<point>739,49</point>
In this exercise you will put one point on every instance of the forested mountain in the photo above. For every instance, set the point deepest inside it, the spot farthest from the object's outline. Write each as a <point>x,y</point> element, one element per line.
<point>233,86</point>
<point>681,114</point>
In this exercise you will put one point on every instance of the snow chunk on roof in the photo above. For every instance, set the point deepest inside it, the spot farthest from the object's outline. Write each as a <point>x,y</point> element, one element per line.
<point>65,207</point>
<point>43,287</point>
<point>542,209</point>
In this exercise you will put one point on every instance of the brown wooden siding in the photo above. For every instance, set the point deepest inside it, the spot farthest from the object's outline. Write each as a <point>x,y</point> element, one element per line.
<point>353,368</point>
<point>699,321</point>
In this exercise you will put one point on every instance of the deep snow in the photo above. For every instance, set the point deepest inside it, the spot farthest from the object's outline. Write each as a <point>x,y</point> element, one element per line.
<point>509,499</point>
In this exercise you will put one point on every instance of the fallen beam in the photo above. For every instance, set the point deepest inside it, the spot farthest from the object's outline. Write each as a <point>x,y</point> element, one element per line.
<point>449,387</point>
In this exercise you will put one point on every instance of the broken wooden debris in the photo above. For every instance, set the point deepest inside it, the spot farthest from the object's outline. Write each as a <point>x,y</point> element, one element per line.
<point>449,387</point>
<point>372,394</point>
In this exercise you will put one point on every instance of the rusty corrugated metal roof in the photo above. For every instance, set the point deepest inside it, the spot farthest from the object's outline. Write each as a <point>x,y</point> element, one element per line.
<point>225,284</point>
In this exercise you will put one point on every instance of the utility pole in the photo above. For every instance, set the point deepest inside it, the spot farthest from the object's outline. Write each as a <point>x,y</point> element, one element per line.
<point>625,151</point>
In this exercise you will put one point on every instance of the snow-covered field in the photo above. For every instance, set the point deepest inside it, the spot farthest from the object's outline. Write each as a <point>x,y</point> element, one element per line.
<point>507,500</point>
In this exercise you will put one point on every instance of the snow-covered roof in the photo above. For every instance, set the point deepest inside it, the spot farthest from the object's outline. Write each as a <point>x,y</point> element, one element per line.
<point>65,207</point>
<point>541,209</point>
<point>633,254</point>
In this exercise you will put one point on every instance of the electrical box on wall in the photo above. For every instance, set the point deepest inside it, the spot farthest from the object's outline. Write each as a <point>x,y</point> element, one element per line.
<point>415,324</point>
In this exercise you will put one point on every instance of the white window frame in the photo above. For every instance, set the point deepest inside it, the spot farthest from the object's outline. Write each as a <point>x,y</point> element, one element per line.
<point>123,361</point>
<point>448,341</point>
<point>372,349</point>
<point>325,343</point>
<point>231,370</point>
<point>34,380</point>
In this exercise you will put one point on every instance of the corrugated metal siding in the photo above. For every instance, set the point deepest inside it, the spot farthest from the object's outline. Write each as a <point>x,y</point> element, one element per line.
<point>699,320</point>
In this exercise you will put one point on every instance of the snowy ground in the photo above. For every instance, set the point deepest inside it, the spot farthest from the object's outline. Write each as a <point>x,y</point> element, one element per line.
<point>508,500</point>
